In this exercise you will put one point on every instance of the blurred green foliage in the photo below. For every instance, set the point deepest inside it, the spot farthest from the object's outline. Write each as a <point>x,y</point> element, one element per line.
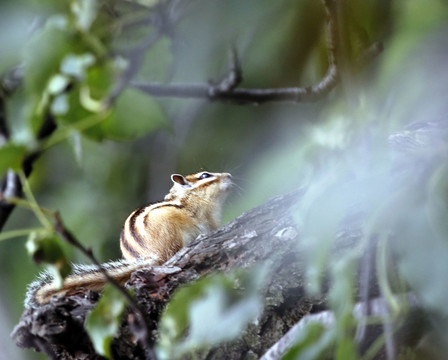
<point>46,248</point>
<point>211,311</point>
<point>311,343</point>
<point>11,157</point>
<point>379,139</point>
<point>103,322</point>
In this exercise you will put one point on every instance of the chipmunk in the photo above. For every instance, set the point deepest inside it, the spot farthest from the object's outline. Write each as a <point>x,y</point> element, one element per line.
<point>151,235</point>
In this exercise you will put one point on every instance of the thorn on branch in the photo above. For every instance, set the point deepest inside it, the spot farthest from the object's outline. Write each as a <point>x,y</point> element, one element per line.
<point>232,80</point>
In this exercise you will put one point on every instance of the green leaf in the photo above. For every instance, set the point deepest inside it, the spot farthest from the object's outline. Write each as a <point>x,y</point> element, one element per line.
<point>60,105</point>
<point>85,12</point>
<point>11,157</point>
<point>67,109</point>
<point>19,125</point>
<point>158,62</point>
<point>70,111</point>
<point>135,114</point>
<point>423,255</point>
<point>342,290</point>
<point>103,322</point>
<point>57,84</point>
<point>437,201</point>
<point>347,349</point>
<point>42,57</point>
<point>311,343</point>
<point>212,310</point>
<point>43,53</point>
<point>323,202</point>
<point>76,65</point>
<point>101,78</point>
<point>45,247</point>
<point>341,299</point>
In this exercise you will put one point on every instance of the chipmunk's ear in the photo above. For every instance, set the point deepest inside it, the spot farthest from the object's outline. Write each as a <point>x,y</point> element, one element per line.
<point>179,179</point>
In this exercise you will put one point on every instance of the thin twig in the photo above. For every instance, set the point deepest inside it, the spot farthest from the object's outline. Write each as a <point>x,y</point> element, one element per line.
<point>232,80</point>
<point>66,235</point>
<point>162,25</point>
<point>33,203</point>
<point>135,60</point>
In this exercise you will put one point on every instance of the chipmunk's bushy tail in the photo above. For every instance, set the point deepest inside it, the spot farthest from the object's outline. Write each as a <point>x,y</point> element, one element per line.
<point>83,277</point>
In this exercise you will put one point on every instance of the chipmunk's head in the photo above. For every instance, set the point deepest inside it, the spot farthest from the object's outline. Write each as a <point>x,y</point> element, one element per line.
<point>207,186</point>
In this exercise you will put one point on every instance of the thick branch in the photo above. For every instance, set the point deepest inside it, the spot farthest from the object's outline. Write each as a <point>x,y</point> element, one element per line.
<point>267,234</point>
<point>263,234</point>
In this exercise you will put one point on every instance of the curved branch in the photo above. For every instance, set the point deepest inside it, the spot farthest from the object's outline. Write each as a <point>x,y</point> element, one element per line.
<point>255,96</point>
<point>259,96</point>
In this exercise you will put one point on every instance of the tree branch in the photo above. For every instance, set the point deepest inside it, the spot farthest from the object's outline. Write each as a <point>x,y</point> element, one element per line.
<point>10,186</point>
<point>163,21</point>
<point>135,60</point>
<point>252,238</point>
<point>265,235</point>
<point>252,95</point>
<point>228,90</point>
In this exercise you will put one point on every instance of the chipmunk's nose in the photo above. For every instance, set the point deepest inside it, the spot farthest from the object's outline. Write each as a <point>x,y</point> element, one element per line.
<point>228,175</point>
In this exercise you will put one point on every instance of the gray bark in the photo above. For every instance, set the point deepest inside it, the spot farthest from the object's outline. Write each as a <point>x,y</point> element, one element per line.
<point>267,233</point>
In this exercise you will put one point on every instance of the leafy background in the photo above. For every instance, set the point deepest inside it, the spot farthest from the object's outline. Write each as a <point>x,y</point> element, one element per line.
<point>100,164</point>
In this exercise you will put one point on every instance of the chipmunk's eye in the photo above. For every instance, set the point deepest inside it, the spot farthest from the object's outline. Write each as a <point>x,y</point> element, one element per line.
<point>205,175</point>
